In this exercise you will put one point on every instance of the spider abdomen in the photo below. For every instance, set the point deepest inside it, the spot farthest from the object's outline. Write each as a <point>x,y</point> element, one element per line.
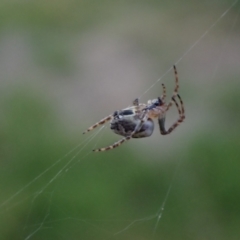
<point>146,130</point>
<point>124,125</point>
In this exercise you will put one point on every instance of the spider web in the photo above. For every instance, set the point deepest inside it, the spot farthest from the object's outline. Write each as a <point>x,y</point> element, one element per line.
<point>55,175</point>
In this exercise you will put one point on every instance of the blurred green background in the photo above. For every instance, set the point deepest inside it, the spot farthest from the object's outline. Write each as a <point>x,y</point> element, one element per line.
<point>66,64</point>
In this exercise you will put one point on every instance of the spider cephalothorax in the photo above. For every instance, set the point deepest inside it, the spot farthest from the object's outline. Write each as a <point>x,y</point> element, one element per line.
<point>137,121</point>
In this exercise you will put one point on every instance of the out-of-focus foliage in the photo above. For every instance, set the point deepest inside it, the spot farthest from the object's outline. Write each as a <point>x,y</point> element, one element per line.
<point>65,65</point>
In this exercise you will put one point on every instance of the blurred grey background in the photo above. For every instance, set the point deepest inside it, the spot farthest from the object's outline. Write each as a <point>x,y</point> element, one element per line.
<point>66,64</point>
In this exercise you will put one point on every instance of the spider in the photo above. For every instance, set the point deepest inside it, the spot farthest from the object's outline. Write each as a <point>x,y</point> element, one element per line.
<point>137,121</point>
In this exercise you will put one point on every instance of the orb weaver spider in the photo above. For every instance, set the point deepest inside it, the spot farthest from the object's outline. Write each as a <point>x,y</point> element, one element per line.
<point>137,121</point>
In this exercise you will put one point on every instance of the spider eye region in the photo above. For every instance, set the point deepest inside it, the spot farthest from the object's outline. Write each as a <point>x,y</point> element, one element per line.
<point>158,102</point>
<point>155,103</point>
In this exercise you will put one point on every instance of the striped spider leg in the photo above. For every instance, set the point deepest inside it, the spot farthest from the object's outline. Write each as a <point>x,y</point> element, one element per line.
<point>181,110</point>
<point>101,122</point>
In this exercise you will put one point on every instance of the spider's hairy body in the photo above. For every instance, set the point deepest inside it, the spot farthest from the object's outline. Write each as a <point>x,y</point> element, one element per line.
<point>137,121</point>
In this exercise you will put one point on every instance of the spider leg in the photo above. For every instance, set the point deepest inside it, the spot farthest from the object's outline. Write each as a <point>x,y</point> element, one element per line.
<point>136,105</point>
<point>164,92</point>
<point>136,102</point>
<point>101,122</point>
<point>181,112</point>
<point>176,81</point>
<point>175,92</point>
<point>121,141</point>
<point>116,144</point>
<point>182,106</point>
<point>177,105</point>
